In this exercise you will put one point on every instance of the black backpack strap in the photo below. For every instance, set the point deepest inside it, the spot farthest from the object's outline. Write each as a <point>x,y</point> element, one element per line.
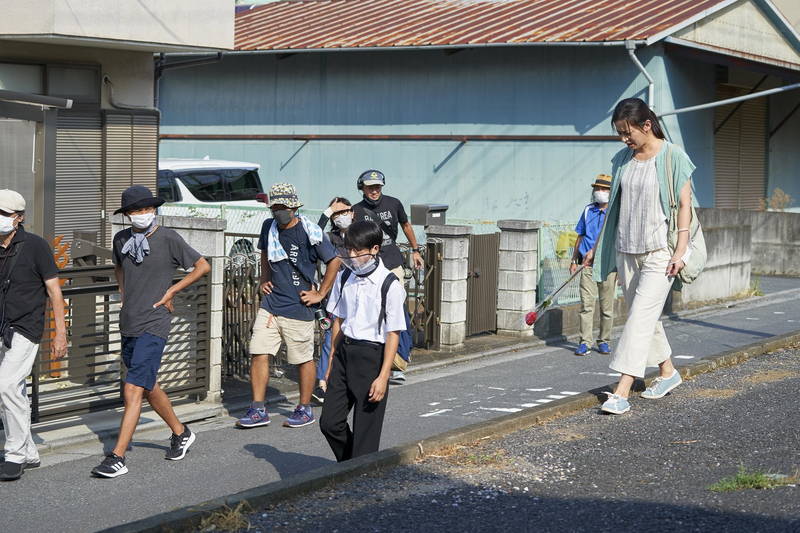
<point>387,282</point>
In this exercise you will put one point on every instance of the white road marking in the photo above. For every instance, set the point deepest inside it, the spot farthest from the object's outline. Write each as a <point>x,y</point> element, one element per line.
<point>434,403</point>
<point>527,405</point>
<point>475,401</point>
<point>778,313</point>
<point>495,388</point>
<point>790,320</point>
<point>556,396</point>
<point>471,413</point>
<point>434,413</point>
<point>684,357</point>
<point>544,400</point>
<point>502,409</point>
<point>569,392</point>
<point>752,318</point>
<point>450,399</point>
<point>612,374</point>
<point>539,390</point>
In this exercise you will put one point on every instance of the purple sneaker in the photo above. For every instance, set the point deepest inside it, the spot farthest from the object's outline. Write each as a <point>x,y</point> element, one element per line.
<point>254,418</point>
<point>302,416</point>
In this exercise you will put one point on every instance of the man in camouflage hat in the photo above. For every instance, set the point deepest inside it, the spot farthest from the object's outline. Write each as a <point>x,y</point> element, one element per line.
<point>290,245</point>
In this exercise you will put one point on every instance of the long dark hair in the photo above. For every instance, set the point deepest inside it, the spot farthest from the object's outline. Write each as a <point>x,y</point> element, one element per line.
<point>635,112</point>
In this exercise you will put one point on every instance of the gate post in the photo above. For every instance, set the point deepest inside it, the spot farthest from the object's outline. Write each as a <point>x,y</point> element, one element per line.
<point>455,254</point>
<point>519,273</point>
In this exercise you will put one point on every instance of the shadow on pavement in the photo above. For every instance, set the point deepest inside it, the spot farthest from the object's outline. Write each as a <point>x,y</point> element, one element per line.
<point>286,463</point>
<point>466,507</point>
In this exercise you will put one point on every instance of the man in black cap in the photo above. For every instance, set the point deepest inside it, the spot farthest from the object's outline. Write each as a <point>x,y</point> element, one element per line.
<point>145,258</point>
<point>388,213</point>
<point>28,276</point>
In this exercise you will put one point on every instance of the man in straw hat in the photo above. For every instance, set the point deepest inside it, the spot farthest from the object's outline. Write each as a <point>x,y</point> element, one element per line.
<point>588,229</point>
<point>290,244</point>
<point>28,276</point>
<point>145,258</point>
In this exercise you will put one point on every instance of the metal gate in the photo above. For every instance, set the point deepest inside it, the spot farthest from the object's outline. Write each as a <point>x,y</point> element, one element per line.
<point>88,378</point>
<point>424,295</point>
<point>482,272</point>
<point>241,302</point>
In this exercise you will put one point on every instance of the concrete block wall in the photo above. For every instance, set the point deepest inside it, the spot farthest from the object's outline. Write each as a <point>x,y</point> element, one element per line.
<point>518,275</point>
<point>727,271</point>
<point>207,236</point>
<point>455,254</point>
<point>775,237</point>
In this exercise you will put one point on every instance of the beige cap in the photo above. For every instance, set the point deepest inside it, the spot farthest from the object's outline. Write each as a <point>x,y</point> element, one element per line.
<point>11,201</point>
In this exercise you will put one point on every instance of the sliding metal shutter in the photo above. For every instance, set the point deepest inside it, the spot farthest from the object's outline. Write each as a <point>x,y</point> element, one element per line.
<point>740,151</point>
<point>131,157</point>
<point>79,165</point>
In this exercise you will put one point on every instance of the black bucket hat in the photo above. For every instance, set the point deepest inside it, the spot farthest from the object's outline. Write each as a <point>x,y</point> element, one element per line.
<point>137,197</point>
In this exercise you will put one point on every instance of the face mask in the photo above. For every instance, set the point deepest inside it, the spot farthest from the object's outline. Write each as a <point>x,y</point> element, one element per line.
<point>361,265</point>
<point>343,221</point>
<point>6,225</point>
<point>366,268</point>
<point>283,216</point>
<point>142,221</point>
<point>601,197</point>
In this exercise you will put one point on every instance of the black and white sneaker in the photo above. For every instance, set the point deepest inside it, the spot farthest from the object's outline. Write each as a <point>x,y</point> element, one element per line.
<point>179,444</point>
<point>112,466</point>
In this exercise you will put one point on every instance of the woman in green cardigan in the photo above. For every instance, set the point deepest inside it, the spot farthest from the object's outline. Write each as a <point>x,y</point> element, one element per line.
<point>634,242</point>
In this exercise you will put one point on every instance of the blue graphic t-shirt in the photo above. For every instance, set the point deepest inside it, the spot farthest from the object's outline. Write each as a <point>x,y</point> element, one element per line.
<point>287,282</point>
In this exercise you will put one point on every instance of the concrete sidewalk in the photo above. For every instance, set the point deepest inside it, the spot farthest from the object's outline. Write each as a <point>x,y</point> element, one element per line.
<point>648,470</point>
<point>437,399</point>
<point>104,425</point>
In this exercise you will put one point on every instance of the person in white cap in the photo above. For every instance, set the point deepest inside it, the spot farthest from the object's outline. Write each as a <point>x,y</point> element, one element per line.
<point>28,276</point>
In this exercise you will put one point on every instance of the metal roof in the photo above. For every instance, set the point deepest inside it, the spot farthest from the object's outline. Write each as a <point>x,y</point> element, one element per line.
<point>355,24</point>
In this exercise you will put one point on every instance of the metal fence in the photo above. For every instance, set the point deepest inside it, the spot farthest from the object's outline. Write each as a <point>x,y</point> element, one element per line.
<point>89,377</point>
<point>241,302</point>
<point>424,294</point>
<point>556,245</point>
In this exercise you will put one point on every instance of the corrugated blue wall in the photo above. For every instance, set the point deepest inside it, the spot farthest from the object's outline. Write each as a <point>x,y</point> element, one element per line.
<point>784,147</point>
<point>524,91</point>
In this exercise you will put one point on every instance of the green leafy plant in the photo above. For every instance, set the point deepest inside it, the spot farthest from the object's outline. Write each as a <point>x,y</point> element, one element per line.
<point>752,479</point>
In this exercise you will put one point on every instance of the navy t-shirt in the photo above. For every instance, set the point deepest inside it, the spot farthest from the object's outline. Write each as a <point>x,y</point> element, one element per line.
<point>288,283</point>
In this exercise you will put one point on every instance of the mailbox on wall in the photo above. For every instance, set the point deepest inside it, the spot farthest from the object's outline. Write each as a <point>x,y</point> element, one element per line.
<point>428,214</point>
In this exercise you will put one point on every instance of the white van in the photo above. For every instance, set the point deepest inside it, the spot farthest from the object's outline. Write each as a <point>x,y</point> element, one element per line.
<point>217,189</point>
<point>209,182</point>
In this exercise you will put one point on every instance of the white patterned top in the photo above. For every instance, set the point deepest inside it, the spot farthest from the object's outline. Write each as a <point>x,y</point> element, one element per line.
<point>642,223</point>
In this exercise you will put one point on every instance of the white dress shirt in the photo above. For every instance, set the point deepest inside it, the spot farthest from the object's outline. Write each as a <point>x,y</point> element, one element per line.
<point>358,304</point>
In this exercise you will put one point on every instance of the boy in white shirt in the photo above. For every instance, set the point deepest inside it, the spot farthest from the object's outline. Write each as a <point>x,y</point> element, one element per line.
<point>367,305</point>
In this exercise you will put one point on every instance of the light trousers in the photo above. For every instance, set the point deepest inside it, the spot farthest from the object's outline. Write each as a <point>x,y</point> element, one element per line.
<point>15,365</point>
<point>646,287</point>
<point>590,291</point>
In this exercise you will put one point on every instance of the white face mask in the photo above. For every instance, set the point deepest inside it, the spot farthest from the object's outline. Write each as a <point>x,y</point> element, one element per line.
<point>601,197</point>
<point>343,221</point>
<point>6,224</point>
<point>142,221</point>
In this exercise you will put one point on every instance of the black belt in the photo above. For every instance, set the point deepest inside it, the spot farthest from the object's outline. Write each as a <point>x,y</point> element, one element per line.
<point>349,340</point>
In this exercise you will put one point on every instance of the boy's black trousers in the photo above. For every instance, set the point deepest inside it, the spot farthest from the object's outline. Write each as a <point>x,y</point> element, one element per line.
<point>355,367</point>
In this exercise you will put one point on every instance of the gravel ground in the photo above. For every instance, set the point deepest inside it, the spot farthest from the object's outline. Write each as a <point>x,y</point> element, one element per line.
<point>649,469</point>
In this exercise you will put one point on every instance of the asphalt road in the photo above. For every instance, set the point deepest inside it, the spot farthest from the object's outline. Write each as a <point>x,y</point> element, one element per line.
<point>647,471</point>
<point>225,460</point>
